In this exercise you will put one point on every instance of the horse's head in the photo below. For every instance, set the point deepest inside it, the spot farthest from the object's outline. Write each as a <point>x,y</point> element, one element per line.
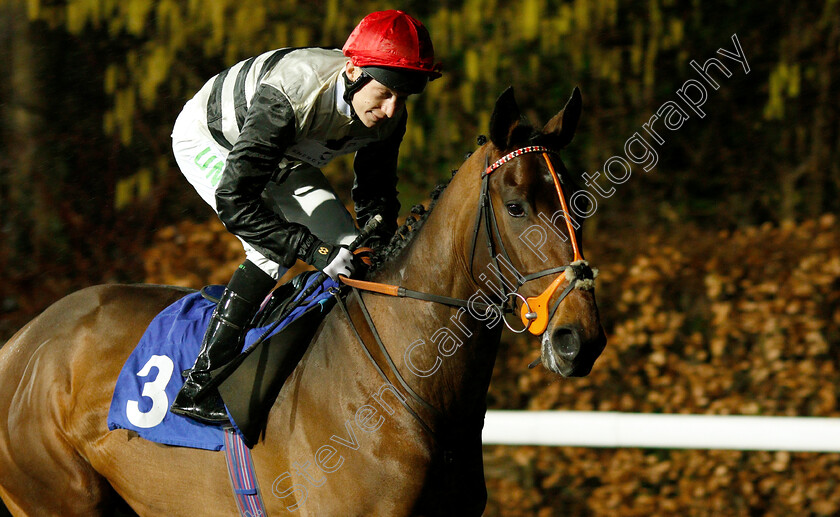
<point>526,243</point>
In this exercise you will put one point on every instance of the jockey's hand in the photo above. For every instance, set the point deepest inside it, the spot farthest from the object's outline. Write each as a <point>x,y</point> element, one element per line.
<point>332,260</point>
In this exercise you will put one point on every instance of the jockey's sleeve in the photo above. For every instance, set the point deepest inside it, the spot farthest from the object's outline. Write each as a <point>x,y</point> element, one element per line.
<point>269,128</point>
<point>375,186</point>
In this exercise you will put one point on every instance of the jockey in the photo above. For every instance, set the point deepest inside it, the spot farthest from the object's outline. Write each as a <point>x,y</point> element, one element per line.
<point>252,141</point>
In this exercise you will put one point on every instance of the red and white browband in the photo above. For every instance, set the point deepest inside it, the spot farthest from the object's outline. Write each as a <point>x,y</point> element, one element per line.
<point>519,152</point>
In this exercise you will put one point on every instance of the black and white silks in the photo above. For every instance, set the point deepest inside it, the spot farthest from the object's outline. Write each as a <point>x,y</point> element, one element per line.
<point>282,110</point>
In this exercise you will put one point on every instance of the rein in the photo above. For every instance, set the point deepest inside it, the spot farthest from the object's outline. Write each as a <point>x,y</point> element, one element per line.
<point>534,311</point>
<point>399,291</point>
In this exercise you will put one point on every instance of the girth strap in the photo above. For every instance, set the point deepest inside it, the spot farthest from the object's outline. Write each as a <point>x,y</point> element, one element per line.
<point>243,479</point>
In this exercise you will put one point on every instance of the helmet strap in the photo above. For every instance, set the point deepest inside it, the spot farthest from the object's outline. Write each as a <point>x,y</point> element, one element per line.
<point>351,87</point>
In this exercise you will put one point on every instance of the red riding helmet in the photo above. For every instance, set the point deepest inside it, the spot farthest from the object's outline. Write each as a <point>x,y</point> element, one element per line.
<point>395,49</point>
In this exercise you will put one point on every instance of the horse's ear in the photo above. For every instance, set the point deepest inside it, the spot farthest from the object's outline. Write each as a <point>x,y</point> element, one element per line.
<point>505,117</point>
<point>561,128</point>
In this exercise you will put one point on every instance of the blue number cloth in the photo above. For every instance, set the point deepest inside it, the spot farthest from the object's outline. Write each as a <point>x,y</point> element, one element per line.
<point>151,377</point>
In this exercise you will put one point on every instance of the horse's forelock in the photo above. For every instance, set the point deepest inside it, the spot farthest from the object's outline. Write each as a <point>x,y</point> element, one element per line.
<point>521,134</point>
<point>526,134</point>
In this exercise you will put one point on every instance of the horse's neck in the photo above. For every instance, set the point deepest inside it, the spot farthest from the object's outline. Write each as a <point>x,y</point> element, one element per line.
<point>435,263</point>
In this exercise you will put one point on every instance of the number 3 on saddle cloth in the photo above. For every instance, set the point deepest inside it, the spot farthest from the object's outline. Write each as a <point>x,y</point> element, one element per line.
<point>151,377</point>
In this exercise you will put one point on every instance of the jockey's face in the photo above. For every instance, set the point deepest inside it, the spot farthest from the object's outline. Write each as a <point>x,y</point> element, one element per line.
<point>375,103</point>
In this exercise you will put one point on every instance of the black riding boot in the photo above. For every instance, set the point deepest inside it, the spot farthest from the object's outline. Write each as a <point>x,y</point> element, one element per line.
<point>222,342</point>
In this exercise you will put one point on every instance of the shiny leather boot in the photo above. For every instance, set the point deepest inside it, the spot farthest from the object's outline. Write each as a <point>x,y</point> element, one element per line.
<point>222,342</point>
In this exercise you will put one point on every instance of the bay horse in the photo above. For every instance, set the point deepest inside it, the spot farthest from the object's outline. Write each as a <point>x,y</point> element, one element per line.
<point>339,439</point>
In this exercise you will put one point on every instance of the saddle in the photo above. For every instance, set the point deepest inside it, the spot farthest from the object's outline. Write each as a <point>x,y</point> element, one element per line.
<point>250,391</point>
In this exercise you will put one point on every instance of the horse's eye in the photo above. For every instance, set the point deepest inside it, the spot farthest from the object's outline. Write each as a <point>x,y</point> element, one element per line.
<point>515,209</point>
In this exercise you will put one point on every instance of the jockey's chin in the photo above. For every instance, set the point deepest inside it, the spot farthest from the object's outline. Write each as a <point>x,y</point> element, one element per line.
<point>373,118</point>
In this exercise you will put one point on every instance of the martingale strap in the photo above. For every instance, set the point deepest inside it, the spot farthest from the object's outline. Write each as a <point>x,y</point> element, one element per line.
<point>342,304</point>
<point>246,489</point>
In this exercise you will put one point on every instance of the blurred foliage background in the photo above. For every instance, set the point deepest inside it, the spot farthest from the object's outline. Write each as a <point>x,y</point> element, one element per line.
<point>720,265</point>
<point>91,88</point>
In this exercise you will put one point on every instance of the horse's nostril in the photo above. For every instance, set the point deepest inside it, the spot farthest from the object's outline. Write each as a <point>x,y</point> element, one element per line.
<point>566,342</point>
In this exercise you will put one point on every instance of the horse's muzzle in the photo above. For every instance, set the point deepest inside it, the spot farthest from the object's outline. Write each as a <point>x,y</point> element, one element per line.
<point>566,351</point>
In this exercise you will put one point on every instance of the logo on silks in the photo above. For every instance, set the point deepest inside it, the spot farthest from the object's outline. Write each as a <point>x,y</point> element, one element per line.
<point>323,250</point>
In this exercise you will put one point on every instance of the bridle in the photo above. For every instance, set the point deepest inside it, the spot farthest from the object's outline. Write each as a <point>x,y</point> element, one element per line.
<point>534,310</point>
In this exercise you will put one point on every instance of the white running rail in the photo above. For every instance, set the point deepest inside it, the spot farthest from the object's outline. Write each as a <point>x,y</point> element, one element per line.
<point>662,431</point>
